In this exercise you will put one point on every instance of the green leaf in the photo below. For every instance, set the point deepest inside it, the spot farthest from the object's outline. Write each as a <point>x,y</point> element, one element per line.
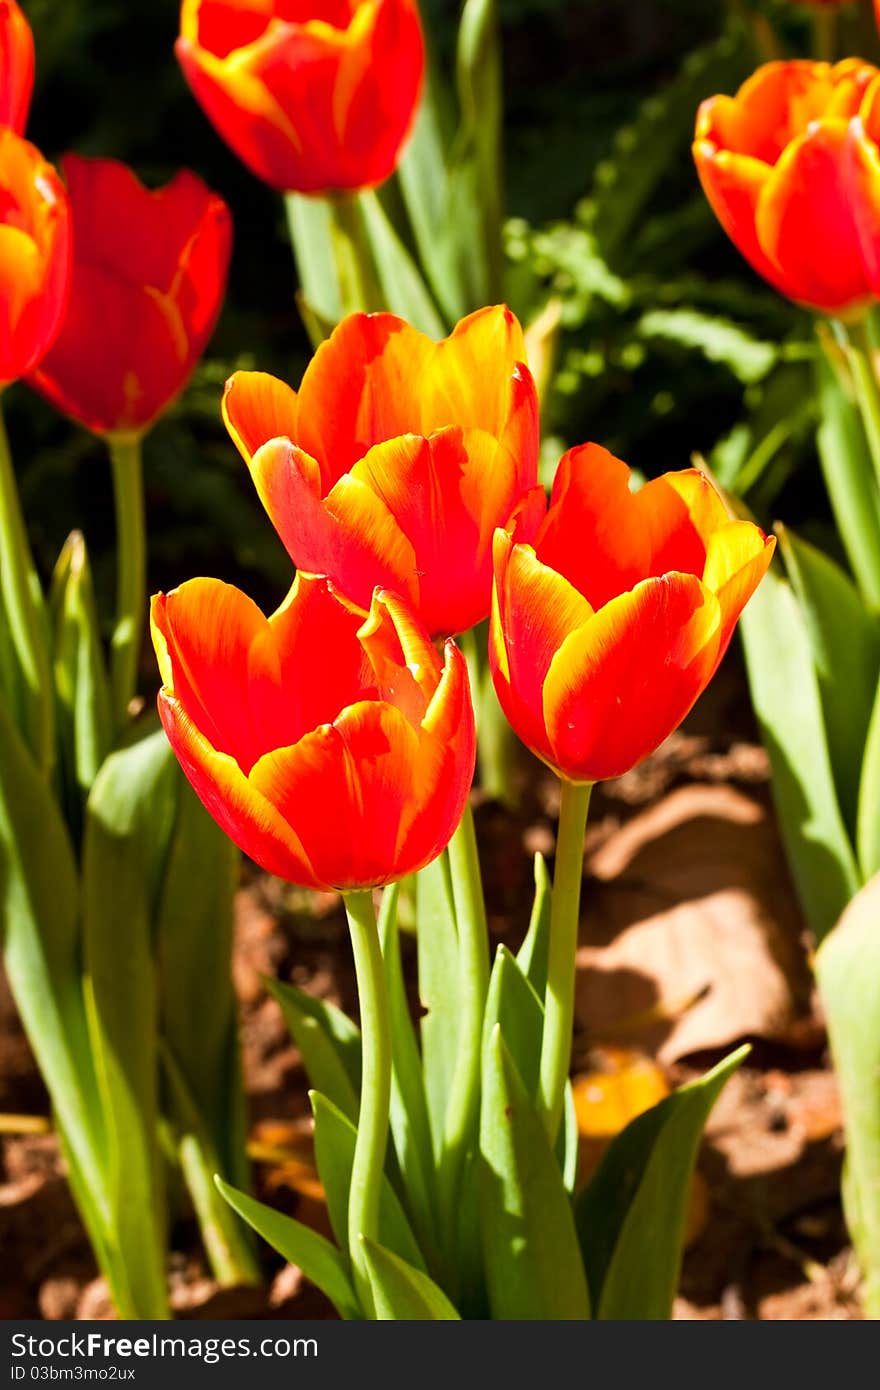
<point>849,478</point>
<point>310,223</point>
<point>84,719</point>
<point>402,285</point>
<point>329,1042</point>
<point>478,70</point>
<point>128,815</point>
<point>401,1293</point>
<point>193,935</point>
<point>410,1126</point>
<point>532,954</point>
<point>717,339</point>
<point>848,974</point>
<point>319,1261</point>
<point>39,922</point>
<point>868,827</point>
<point>335,1138</point>
<point>533,1263</point>
<point>631,1215</point>
<point>845,641</point>
<point>787,703</point>
<point>438,989</point>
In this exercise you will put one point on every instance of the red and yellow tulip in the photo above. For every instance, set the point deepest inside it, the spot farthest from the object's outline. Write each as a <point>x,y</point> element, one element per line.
<point>791,166</point>
<point>16,66</point>
<point>149,276</point>
<point>312,95</point>
<point>608,627</point>
<point>335,748</point>
<point>35,255</point>
<point>397,458</point>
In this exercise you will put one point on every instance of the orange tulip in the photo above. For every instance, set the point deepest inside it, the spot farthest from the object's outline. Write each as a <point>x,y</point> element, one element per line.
<point>16,66</point>
<point>313,95</point>
<point>606,630</point>
<point>397,459</point>
<point>148,280</point>
<point>35,253</point>
<point>335,748</point>
<point>791,166</point>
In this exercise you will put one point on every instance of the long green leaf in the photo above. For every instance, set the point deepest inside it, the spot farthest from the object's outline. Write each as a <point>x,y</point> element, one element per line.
<point>532,954</point>
<point>335,1138</point>
<point>848,972</point>
<point>128,813</point>
<point>631,1215</point>
<point>786,699</point>
<point>401,1293</point>
<point>410,1126</point>
<point>438,989</point>
<point>849,477</point>
<point>533,1262</point>
<point>328,1041</point>
<point>845,641</point>
<point>868,827</point>
<point>402,285</point>
<point>39,928</point>
<point>319,1261</point>
<point>309,222</point>
<point>478,69</point>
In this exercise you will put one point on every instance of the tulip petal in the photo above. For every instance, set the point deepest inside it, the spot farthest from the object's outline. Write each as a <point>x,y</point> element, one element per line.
<point>535,610</point>
<point>469,381</point>
<point>235,804</point>
<point>258,407</point>
<point>620,684</point>
<point>406,665</point>
<point>363,386</point>
<point>447,728</point>
<point>314,619</point>
<point>864,177</point>
<point>737,558</point>
<point>805,204</point>
<point>350,535</point>
<point>681,512</point>
<point>733,184</point>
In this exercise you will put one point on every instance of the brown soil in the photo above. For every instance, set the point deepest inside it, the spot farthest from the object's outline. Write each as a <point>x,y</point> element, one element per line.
<point>691,942</point>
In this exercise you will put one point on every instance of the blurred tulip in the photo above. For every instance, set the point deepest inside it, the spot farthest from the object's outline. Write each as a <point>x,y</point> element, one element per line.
<point>335,748</point>
<point>313,95</point>
<point>149,276</point>
<point>16,66</point>
<point>605,631</point>
<point>397,459</point>
<point>35,255</point>
<point>791,166</point>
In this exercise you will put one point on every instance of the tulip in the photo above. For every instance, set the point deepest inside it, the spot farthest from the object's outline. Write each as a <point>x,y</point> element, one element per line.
<point>149,275</point>
<point>791,166</point>
<point>606,630</point>
<point>335,748</point>
<point>16,66</point>
<point>313,95</point>
<point>397,459</point>
<point>35,254</point>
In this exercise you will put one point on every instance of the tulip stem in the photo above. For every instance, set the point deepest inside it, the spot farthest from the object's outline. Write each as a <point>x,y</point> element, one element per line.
<point>125,644</point>
<point>356,275</point>
<point>564,919</point>
<point>473,976</point>
<point>861,360</point>
<point>19,597</point>
<point>824,33</point>
<point>372,1130</point>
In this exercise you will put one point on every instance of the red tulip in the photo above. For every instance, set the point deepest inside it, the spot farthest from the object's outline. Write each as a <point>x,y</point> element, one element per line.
<point>148,281</point>
<point>313,95</point>
<point>35,252</point>
<point>336,749</point>
<point>606,630</point>
<point>791,166</point>
<point>397,459</point>
<point>16,66</point>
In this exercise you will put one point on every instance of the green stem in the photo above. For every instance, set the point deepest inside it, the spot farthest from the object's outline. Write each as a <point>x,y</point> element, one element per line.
<point>564,918</point>
<point>355,273</point>
<point>131,580</point>
<point>861,359</point>
<point>19,588</point>
<point>473,975</point>
<point>824,33</point>
<point>372,1130</point>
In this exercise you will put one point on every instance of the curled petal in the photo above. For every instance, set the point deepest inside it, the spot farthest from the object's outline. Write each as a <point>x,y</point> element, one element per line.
<point>258,407</point>
<point>620,684</point>
<point>738,556</point>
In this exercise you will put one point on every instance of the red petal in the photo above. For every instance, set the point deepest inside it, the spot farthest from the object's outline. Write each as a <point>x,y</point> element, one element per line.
<point>258,407</point>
